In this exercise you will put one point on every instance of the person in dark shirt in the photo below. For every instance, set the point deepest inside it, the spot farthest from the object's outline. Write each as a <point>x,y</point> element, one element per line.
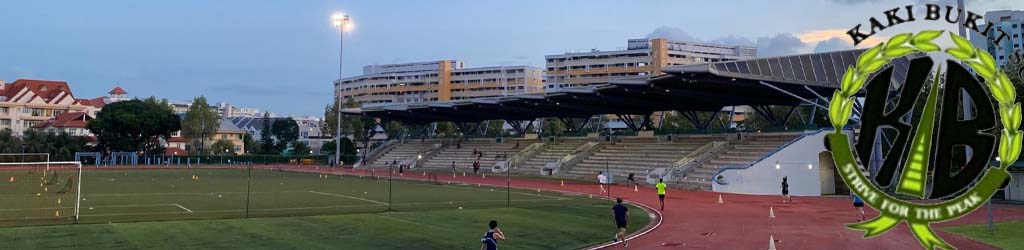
<point>620,215</point>
<point>785,189</point>
<point>491,237</point>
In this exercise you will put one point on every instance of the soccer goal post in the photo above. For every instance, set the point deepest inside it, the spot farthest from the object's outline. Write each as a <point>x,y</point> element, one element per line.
<point>39,193</point>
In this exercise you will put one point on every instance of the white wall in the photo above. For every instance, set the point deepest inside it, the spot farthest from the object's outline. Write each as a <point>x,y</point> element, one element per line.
<point>762,178</point>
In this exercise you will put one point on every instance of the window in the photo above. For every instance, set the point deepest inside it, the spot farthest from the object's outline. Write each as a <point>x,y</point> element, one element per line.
<point>32,111</point>
<point>5,110</point>
<point>5,122</point>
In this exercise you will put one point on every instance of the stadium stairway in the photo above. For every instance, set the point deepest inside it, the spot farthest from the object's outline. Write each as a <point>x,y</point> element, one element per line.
<point>739,153</point>
<point>463,156</point>
<point>406,151</point>
<point>553,152</point>
<point>636,155</point>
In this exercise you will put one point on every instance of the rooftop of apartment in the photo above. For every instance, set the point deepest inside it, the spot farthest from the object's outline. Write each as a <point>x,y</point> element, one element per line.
<point>643,46</point>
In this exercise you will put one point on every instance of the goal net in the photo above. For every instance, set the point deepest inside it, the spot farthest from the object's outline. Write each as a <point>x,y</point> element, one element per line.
<point>41,192</point>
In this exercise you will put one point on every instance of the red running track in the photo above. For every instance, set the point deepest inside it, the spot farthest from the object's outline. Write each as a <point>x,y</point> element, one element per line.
<point>695,219</point>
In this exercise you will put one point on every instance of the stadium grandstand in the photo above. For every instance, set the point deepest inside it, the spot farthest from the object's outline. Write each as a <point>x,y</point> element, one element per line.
<point>730,160</point>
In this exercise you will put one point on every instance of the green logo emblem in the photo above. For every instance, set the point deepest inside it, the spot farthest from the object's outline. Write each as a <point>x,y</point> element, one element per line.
<point>919,153</point>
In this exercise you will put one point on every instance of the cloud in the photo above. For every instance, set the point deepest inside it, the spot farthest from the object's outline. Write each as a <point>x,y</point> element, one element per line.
<point>775,45</point>
<point>779,45</point>
<point>817,36</point>
<point>671,33</point>
<point>832,44</point>
<point>734,40</point>
<point>853,2</point>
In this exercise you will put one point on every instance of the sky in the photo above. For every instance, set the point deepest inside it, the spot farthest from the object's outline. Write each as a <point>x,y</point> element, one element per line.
<point>281,56</point>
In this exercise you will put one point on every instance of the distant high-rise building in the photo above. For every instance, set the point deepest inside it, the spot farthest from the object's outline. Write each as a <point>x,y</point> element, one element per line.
<point>436,81</point>
<point>1009,21</point>
<point>642,58</point>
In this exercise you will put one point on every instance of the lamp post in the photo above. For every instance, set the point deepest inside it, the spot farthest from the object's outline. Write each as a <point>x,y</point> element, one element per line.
<point>340,21</point>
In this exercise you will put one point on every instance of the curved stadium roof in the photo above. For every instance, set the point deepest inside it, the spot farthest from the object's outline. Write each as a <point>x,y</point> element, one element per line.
<point>695,87</point>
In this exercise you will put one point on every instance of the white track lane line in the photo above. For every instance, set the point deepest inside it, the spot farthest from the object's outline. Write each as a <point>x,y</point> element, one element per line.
<point>183,208</point>
<point>346,196</point>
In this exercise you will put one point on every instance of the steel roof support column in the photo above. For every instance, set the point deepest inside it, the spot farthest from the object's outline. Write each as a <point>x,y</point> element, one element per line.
<point>628,119</point>
<point>766,112</point>
<point>707,124</point>
<point>785,121</point>
<point>693,118</point>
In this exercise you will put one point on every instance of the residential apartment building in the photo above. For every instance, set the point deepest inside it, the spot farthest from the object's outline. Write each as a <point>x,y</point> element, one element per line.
<point>642,58</point>
<point>26,102</point>
<point>228,131</point>
<point>309,129</point>
<point>436,81</point>
<point>1009,21</point>
<point>225,110</point>
<point>70,123</point>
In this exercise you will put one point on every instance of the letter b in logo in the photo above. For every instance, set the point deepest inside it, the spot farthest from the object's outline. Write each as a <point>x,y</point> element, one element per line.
<point>962,144</point>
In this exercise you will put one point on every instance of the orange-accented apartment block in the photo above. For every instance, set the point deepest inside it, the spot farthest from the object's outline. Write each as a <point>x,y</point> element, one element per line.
<point>437,81</point>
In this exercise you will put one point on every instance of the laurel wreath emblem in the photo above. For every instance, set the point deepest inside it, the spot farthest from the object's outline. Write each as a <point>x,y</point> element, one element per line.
<point>841,107</point>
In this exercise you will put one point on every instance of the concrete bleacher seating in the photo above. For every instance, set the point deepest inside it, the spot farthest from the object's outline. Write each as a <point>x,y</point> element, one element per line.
<point>634,155</point>
<point>402,152</point>
<point>551,153</point>
<point>740,153</point>
<point>463,156</point>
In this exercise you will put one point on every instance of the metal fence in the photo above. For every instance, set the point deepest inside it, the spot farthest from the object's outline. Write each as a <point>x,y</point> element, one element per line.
<point>260,186</point>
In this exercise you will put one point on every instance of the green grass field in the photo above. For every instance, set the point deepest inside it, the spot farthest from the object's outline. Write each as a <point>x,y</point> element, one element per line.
<point>1007,235</point>
<point>290,210</point>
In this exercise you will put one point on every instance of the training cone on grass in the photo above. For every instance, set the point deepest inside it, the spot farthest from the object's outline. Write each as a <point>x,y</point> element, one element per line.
<point>720,201</point>
<point>56,213</point>
<point>771,242</point>
<point>771,212</point>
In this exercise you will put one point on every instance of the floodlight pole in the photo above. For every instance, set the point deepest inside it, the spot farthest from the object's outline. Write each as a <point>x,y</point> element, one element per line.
<point>248,186</point>
<point>340,21</point>
<point>508,185</point>
<point>391,173</point>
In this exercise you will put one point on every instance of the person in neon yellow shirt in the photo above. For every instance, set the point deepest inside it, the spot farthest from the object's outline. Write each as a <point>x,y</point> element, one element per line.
<point>661,193</point>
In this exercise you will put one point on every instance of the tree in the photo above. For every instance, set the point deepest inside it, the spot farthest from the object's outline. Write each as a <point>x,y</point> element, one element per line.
<point>348,151</point>
<point>133,126</point>
<point>328,147</point>
<point>1014,70</point>
<point>330,119</point>
<point>445,129</point>
<point>300,148</point>
<point>285,130</point>
<point>552,127</point>
<point>357,126</point>
<point>8,142</point>
<point>249,143</point>
<point>200,123</point>
<point>266,141</point>
<point>223,147</point>
<point>495,128</point>
<point>393,129</point>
